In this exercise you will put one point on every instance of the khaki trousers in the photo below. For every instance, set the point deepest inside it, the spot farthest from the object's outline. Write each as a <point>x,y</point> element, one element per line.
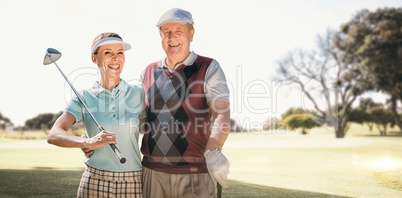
<point>157,185</point>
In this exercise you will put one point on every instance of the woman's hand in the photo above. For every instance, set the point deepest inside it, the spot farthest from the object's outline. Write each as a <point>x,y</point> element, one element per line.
<point>101,139</point>
<point>87,151</point>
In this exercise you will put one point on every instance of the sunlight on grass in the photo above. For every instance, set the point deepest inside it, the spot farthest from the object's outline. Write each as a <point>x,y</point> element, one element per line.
<point>386,164</point>
<point>34,158</point>
<point>390,179</point>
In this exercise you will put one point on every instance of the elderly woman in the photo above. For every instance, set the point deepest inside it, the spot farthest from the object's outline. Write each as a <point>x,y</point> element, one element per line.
<point>119,107</point>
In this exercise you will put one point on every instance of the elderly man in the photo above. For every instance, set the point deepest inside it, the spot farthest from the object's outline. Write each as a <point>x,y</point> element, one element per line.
<point>182,148</point>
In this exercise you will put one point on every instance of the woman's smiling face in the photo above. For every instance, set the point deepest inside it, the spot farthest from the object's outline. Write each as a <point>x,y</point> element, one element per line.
<point>110,59</point>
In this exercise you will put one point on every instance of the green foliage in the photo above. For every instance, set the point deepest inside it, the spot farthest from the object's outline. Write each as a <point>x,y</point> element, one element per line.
<point>360,116</point>
<point>300,121</point>
<point>292,111</point>
<point>298,118</point>
<point>4,121</point>
<point>379,42</point>
<point>382,118</point>
<point>367,103</point>
<point>373,41</point>
<point>42,121</point>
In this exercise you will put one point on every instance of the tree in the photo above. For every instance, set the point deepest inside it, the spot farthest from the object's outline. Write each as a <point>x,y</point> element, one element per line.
<point>324,74</point>
<point>42,121</point>
<point>300,121</point>
<point>361,114</point>
<point>373,40</point>
<point>5,121</point>
<point>382,118</point>
<point>292,111</point>
<point>367,103</point>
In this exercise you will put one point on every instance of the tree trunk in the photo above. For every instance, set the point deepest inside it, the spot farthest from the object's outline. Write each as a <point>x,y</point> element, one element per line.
<point>370,125</point>
<point>304,132</point>
<point>397,117</point>
<point>340,131</point>
<point>342,124</point>
<point>383,131</point>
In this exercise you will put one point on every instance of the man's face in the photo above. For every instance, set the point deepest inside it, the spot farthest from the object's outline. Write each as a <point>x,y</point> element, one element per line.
<point>176,39</point>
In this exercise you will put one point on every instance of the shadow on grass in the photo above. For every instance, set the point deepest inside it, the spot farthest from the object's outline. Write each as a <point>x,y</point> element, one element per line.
<point>389,134</point>
<point>240,189</point>
<point>50,182</point>
<point>39,182</point>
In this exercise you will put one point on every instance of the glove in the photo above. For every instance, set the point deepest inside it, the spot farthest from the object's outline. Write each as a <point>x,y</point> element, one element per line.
<point>218,166</point>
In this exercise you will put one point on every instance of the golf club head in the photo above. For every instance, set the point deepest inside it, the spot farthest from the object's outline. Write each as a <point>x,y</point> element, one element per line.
<point>53,53</point>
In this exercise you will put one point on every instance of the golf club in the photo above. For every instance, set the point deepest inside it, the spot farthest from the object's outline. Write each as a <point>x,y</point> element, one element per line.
<point>52,55</point>
<point>219,194</point>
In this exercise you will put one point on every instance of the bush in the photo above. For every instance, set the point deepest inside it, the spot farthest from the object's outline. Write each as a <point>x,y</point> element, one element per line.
<point>300,121</point>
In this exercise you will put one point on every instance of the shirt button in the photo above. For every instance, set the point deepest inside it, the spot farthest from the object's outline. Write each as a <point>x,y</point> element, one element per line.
<point>114,115</point>
<point>113,108</point>
<point>112,99</point>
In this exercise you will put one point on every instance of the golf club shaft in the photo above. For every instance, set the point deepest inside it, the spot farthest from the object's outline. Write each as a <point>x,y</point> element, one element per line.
<point>219,194</point>
<point>119,155</point>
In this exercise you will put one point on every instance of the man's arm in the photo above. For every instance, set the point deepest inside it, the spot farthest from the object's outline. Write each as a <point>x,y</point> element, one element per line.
<point>220,110</point>
<point>217,163</point>
<point>217,94</point>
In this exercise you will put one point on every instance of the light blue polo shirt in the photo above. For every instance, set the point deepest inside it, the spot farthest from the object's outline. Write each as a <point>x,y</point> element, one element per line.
<point>119,112</point>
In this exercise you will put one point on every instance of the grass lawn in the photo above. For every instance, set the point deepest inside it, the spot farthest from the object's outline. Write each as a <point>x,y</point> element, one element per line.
<point>262,165</point>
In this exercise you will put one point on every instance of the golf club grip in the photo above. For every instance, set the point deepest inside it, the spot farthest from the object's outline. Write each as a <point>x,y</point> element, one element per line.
<point>219,194</point>
<point>116,151</point>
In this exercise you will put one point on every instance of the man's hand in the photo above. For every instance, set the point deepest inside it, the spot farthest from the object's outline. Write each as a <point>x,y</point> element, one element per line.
<point>218,166</point>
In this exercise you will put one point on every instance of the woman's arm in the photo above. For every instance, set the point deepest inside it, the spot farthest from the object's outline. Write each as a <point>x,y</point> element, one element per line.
<point>58,135</point>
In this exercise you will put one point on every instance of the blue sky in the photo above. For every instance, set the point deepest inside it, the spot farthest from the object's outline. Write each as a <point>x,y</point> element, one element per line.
<point>246,37</point>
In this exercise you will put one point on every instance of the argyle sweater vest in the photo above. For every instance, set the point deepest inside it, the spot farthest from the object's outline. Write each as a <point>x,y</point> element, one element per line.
<point>178,116</point>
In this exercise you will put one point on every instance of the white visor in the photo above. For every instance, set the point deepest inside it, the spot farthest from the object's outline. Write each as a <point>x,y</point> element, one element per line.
<point>111,40</point>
